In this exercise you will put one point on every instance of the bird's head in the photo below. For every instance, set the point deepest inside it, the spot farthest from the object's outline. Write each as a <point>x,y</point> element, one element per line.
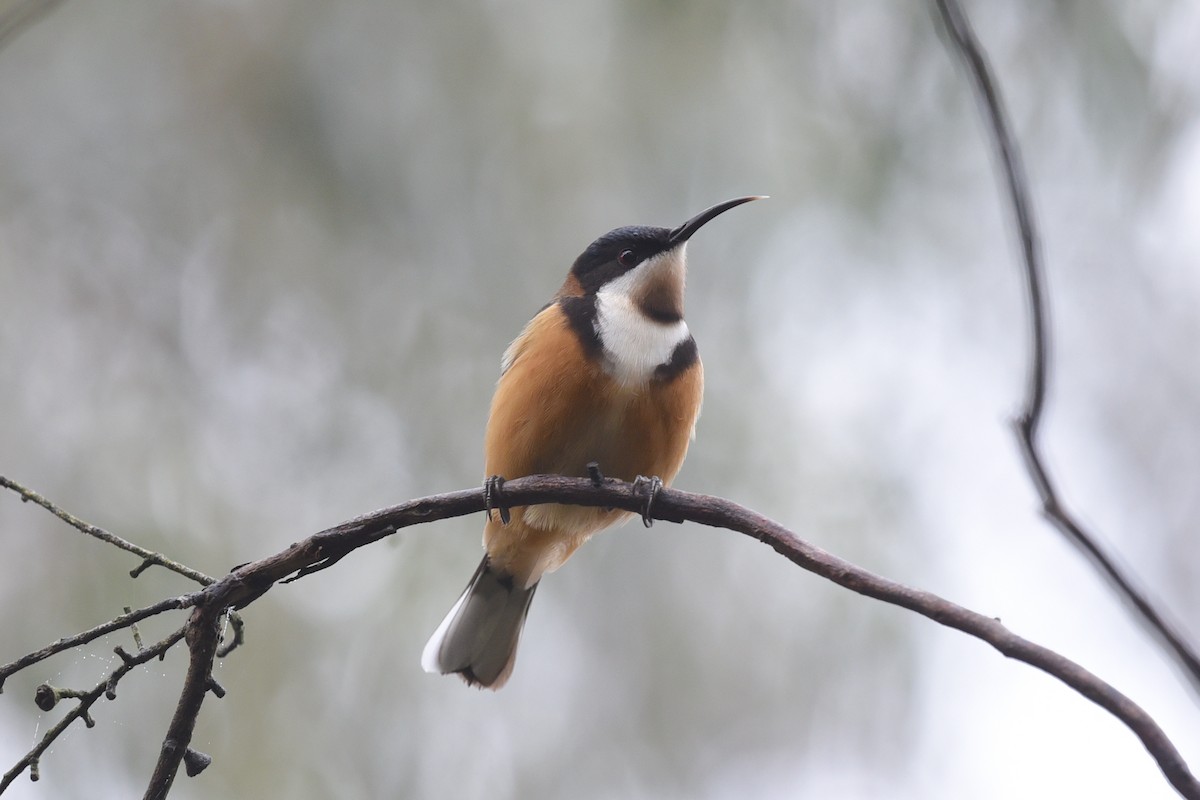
<point>646,264</point>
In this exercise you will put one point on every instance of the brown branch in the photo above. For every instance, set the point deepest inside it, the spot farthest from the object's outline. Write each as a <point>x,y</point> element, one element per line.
<point>47,697</point>
<point>251,581</point>
<point>1027,422</point>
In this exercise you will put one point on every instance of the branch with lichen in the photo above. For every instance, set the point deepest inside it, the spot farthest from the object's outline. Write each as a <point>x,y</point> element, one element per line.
<point>149,557</point>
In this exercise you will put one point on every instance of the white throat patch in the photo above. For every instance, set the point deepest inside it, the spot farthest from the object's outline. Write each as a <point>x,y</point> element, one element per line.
<point>635,345</point>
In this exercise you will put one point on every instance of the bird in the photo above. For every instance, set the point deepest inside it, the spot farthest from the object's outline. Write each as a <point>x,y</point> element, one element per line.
<point>605,377</point>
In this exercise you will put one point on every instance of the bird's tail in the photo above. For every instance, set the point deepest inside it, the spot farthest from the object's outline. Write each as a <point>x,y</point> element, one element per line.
<point>478,638</point>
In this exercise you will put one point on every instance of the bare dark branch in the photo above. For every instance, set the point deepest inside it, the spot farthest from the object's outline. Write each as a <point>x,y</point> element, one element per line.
<point>203,636</point>
<point>1027,422</point>
<point>126,620</point>
<point>48,696</point>
<point>149,558</point>
<point>251,581</point>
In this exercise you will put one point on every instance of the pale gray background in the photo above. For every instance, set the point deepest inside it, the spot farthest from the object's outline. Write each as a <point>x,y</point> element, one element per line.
<point>258,263</point>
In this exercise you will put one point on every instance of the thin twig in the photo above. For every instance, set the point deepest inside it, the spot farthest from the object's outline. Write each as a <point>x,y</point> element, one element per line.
<point>106,688</point>
<point>251,581</point>
<point>237,639</point>
<point>149,557</point>
<point>126,620</point>
<point>1027,422</point>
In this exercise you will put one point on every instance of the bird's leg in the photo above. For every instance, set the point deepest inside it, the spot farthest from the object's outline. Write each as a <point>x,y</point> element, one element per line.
<point>492,499</point>
<point>593,470</point>
<point>651,486</point>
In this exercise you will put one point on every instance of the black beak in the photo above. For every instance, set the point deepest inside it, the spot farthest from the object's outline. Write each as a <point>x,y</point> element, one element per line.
<point>685,231</point>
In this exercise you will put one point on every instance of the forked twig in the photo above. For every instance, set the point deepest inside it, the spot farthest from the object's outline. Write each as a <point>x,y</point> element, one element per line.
<point>149,557</point>
<point>126,620</point>
<point>48,697</point>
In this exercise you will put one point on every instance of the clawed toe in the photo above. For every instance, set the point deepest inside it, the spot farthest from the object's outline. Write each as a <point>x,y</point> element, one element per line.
<point>493,499</point>
<point>651,487</point>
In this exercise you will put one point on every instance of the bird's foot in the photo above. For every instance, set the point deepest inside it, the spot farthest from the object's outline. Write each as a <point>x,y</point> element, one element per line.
<point>651,487</point>
<point>493,499</point>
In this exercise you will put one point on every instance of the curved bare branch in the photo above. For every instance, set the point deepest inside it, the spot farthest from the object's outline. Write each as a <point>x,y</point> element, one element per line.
<point>249,582</point>
<point>1027,422</point>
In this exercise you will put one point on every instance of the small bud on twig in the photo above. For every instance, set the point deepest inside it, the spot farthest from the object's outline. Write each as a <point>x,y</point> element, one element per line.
<point>46,697</point>
<point>195,762</point>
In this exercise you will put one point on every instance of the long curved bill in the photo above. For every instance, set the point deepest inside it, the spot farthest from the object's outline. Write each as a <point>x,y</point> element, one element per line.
<point>685,231</point>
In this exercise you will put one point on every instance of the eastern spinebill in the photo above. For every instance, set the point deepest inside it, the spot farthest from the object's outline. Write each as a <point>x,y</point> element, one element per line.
<point>607,374</point>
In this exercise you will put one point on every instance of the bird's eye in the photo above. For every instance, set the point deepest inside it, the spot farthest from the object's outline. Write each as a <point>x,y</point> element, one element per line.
<point>627,258</point>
